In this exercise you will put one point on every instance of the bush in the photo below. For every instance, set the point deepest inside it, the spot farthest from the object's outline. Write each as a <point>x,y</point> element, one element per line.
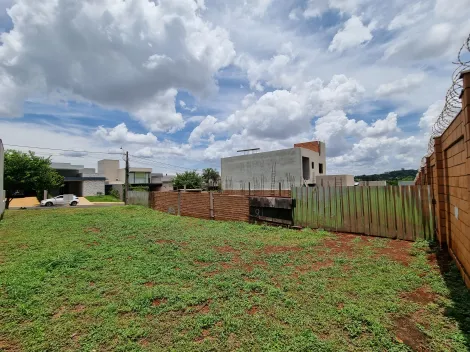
<point>115,193</point>
<point>139,189</point>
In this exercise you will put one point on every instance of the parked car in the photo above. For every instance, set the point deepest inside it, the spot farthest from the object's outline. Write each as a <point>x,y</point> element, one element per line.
<point>59,200</point>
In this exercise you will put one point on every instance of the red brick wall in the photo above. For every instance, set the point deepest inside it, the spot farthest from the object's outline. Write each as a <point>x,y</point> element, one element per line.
<point>315,146</point>
<point>447,170</point>
<point>197,205</point>
<point>231,208</point>
<point>164,201</point>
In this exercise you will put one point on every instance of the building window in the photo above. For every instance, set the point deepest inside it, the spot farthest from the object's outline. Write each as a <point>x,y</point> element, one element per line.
<point>320,166</point>
<point>305,168</point>
<point>313,165</point>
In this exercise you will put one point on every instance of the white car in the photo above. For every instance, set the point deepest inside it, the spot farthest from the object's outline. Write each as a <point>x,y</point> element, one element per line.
<point>59,200</point>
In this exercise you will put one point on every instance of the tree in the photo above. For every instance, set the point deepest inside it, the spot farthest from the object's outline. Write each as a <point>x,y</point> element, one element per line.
<point>28,172</point>
<point>190,179</point>
<point>211,177</point>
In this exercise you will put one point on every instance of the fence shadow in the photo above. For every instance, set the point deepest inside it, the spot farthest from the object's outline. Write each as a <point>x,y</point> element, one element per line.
<point>459,293</point>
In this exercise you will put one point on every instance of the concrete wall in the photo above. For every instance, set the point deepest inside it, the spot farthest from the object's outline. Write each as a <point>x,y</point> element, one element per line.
<point>92,188</point>
<point>257,169</point>
<point>109,168</point>
<point>166,187</point>
<point>316,159</point>
<point>2,192</point>
<point>335,180</point>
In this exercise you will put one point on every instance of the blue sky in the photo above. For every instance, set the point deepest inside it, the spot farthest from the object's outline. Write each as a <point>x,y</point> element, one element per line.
<point>185,82</point>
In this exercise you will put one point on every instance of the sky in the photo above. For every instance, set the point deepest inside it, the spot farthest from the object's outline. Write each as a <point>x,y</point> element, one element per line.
<point>181,83</point>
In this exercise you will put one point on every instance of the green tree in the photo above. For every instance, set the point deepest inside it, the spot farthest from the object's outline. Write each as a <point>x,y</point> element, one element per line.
<point>211,177</point>
<point>28,172</point>
<point>190,179</point>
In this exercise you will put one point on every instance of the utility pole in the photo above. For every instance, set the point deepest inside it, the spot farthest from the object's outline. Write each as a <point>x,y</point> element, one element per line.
<point>126,197</point>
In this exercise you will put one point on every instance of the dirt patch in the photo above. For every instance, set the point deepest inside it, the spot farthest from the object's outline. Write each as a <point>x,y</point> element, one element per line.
<point>340,244</point>
<point>340,306</point>
<point>407,333</point>
<point>253,310</point>
<point>249,267</point>
<point>422,295</point>
<point>158,301</point>
<point>8,345</point>
<point>398,251</point>
<point>59,313</point>
<point>226,249</point>
<point>78,308</point>
<point>205,335</point>
<point>280,249</point>
<point>202,308</point>
<point>92,284</point>
<point>203,264</point>
<point>149,284</point>
<point>92,244</point>
<point>315,266</point>
<point>131,237</point>
<point>144,342</point>
<point>93,229</point>
<point>164,241</point>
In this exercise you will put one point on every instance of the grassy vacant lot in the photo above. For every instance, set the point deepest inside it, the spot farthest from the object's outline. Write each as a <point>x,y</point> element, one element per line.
<point>104,198</point>
<point>131,279</point>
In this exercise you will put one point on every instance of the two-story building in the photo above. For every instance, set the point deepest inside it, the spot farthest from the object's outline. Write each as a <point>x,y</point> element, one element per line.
<point>138,177</point>
<point>297,166</point>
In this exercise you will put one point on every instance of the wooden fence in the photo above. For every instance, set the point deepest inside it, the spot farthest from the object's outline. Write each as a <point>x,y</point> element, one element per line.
<point>394,212</point>
<point>138,198</point>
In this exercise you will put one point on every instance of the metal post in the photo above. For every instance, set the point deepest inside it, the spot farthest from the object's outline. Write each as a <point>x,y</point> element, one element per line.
<point>126,197</point>
<point>280,194</point>
<point>211,205</point>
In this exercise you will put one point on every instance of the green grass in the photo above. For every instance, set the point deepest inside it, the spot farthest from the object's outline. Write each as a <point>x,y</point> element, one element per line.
<point>105,198</point>
<point>132,279</point>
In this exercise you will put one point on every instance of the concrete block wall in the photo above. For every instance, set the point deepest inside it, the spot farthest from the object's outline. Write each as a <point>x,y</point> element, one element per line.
<point>92,188</point>
<point>448,171</point>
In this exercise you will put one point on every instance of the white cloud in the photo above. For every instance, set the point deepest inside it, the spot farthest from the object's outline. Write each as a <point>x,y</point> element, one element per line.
<point>383,127</point>
<point>316,8</point>
<point>352,35</point>
<point>429,117</point>
<point>281,114</point>
<point>409,16</point>
<point>401,86</point>
<point>120,134</point>
<point>128,55</point>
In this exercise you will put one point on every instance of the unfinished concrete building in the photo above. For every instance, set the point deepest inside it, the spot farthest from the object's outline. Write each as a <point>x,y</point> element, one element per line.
<point>286,168</point>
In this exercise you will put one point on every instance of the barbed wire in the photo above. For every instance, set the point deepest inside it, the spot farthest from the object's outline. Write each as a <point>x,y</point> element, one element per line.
<point>452,105</point>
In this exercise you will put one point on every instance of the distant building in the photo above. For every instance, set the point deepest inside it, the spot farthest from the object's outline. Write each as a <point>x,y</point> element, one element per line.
<point>335,180</point>
<point>286,168</point>
<point>79,180</point>
<point>138,177</point>
<point>2,192</point>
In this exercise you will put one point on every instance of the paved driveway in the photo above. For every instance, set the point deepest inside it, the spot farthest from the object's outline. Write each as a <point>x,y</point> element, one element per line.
<point>24,202</point>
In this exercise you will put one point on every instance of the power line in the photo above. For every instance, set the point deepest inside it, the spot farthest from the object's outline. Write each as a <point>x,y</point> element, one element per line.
<point>142,160</point>
<point>151,161</point>
<point>62,150</point>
